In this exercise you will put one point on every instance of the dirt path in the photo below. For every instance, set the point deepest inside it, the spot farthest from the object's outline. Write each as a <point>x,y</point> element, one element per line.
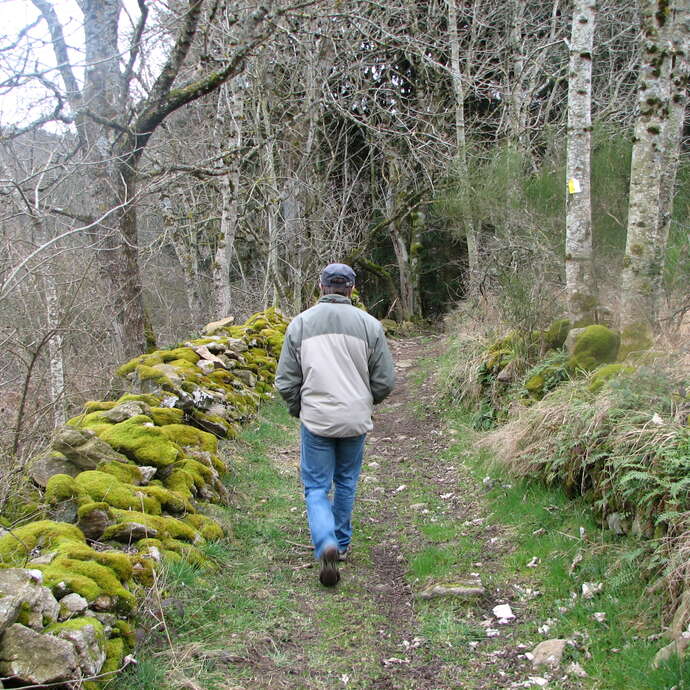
<point>264,621</point>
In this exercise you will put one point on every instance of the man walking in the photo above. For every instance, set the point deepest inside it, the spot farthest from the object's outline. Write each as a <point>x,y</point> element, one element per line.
<point>334,366</point>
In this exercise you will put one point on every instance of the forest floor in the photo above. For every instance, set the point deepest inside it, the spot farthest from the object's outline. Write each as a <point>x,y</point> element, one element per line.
<point>426,514</point>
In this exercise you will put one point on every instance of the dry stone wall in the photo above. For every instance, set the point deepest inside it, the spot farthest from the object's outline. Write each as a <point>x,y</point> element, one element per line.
<point>123,488</point>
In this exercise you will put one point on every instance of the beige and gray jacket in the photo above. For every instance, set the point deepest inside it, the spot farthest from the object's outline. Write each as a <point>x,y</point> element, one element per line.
<point>334,366</point>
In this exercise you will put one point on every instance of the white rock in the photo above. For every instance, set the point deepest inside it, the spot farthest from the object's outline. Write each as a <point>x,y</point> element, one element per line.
<point>536,680</point>
<point>72,605</point>
<point>503,612</point>
<point>590,589</point>
<point>599,616</point>
<point>534,562</point>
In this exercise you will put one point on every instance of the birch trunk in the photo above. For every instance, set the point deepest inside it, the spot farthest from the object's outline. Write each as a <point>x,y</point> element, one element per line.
<point>461,146</point>
<point>57,363</point>
<point>228,132</point>
<point>674,131</point>
<point>644,249</point>
<point>271,294</point>
<point>579,266</point>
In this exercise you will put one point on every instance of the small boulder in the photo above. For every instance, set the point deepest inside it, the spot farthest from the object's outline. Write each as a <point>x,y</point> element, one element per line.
<point>125,410</point>
<point>592,346</point>
<point>72,605</point>
<point>215,326</point>
<point>95,521</point>
<point>675,648</point>
<point>130,532</point>
<point>147,473</point>
<point>89,648</point>
<point>83,448</point>
<point>466,590</point>
<point>10,607</point>
<point>26,586</point>
<point>30,657</point>
<point>44,467</point>
<point>246,376</point>
<point>548,653</point>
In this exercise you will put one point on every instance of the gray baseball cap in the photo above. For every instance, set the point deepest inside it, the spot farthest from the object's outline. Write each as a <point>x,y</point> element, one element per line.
<point>337,274</point>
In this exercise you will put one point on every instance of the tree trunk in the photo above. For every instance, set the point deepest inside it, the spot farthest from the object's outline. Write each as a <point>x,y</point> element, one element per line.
<point>271,294</point>
<point>644,249</point>
<point>57,363</point>
<point>579,267</point>
<point>229,134</point>
<point>461,153</point>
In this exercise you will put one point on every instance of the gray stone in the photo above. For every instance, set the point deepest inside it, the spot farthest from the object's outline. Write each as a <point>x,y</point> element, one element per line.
<point>83,448</point>
<point>215,326</point>
<point>46,558</point>
<point>25,585</point>
<point>103,603</point>
<point>236,345</point>
<point>548,653</point>
<point>246,376</point>
<point>90,650</point>
<point>125,410</point>
<point>681,617</point>
<point>571,339</point>
<point>507,374</point>
<point>95,522</point>
<point>130,532</point>
<point>10,607</point>
<point>72,605</point>
<point>675,648</point>
<point>206,366</point>
<point>30,657</point>
<point>147,473</point>
<point>45,466</point>
<point>64,511</point>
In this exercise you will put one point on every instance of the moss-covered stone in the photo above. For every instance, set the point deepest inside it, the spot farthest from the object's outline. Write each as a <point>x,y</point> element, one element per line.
<point>62,487</point>
<point>142,442</point>
<point>605,373</point>
<point>114,656</point>
<point>129,473</point>
<point>594,346</point>
<point>556,333</point>
<point>179,354</point>
<point>635,340</point>
<point>207,526</point>
<point>45,535</point>
<point>162,416</point>
<point>101,486</point>
<point>166,527</point>
<point>185,435</point>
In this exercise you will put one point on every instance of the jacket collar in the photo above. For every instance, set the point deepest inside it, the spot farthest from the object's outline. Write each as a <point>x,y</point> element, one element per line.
<point>335,299</point>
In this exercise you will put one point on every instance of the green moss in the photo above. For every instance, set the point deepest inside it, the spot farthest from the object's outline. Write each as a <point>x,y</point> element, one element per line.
<point>117,561</point>
<point>535,385</point>
<point>62,487</point>
<point>125,631</point>
<point>89,507</point>
<point>556,333</point>
<point>77,624</point>
<point>100,486</point>
<point>208,527</point>
<point>171,501</point>
<point>146,398</point>
<point>605,373</point>
<point>596,345</point>
<point>92,420</point>
<point>144,570</point>
<point>181,482</point>
<point>185,435</point>
<point>146,373</point>
<point>147,360</point>
<point>99,405</point>
<point>162,416</point>
<point>167,527</point>
<point>115,653</point>
<point>123,471</point>
<point>44,534</point>
<point>201,473</point>
<point>184,354</point>
<point>89,579</point>
<point>186,552</point>
<point>146,445</point>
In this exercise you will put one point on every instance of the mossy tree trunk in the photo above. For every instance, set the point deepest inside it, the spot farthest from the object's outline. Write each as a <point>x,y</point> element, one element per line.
<point>645,244</point>
<point>579,266</point>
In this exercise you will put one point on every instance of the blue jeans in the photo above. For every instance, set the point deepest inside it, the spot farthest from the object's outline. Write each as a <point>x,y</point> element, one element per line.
<point>325,463</point>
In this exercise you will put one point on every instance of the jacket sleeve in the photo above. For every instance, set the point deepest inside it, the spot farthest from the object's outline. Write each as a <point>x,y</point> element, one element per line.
<point>289,372</point>
<point>381,371</point>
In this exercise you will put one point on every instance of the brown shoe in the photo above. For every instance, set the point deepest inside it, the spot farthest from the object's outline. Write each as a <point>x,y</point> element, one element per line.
<point>329,574</point>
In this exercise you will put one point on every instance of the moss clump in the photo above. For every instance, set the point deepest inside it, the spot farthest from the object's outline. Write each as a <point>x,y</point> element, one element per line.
<point>185,552</point>
<point>93,420</point>
<point>167,527</point>
<point>146,373</point>
<point>184,354</point>
<point>180,481</point>
<point>208,527</point>
<point>556,333</point>
<point>596,345</point>
<point>117,561</point>
<point>114,656</point>
<point>99,405</point>
<point>171,501</point>
<point>77,624</point>
<point>185,435</point>
<point>123,471</point>
<point>100,486</point>
<point>125,631</point>
<point>605,373</point>
<point>62,487</point>
<point>163,416</point>
<point>142,442</point>
<point>146,398</point>
<point>535,386</point>
<point>44,534</point>
<point>144,570</point>
<point>147,360</point>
